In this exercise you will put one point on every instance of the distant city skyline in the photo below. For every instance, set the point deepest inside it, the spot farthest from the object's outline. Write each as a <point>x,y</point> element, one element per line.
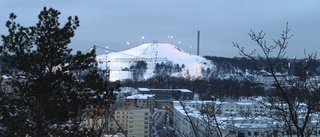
<point>119,24</point>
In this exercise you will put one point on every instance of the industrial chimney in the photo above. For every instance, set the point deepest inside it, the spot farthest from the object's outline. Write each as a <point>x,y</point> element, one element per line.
<point>198,43</point>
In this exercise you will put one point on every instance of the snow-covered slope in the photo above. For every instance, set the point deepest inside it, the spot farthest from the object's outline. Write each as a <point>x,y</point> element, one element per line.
<point>153,53</point>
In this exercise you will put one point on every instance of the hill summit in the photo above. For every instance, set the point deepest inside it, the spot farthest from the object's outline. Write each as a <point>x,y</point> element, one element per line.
<point>151,59</point>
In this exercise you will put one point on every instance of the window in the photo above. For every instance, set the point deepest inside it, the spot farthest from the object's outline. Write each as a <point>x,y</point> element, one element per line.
<point>145,118</point>
<point>249,133</point>
<point>241,135</point>
<point>146,113</point>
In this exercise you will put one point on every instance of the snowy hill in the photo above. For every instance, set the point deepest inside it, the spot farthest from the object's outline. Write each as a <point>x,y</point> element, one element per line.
<point>155,55</point>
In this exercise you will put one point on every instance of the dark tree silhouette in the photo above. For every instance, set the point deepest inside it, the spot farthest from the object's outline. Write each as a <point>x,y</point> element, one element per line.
<point>48,98</point>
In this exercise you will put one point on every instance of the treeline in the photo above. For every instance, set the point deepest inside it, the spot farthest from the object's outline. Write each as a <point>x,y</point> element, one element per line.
<point>242,64</point>
<point>167,68</point>
<point>211,85</point>
<point>205,88</point>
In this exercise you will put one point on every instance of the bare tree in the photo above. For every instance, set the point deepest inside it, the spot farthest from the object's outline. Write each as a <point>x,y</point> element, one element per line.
<point>294,98</point>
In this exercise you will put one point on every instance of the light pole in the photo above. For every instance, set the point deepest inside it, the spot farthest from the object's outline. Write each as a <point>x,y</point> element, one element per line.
<point>170,37</point>
<point>142,39</point>
<point>107,77</point>
<point>128,45</point>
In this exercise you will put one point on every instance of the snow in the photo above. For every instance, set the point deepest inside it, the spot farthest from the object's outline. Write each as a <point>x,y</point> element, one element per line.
<point>152,53</point>
<point>139,96</point>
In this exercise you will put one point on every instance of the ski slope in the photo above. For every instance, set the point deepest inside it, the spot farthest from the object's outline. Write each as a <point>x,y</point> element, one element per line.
<point>153,53</point>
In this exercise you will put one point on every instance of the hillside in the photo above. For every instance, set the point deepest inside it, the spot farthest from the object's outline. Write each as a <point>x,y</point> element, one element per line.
<point>151,59</point>
<point>166,60</point>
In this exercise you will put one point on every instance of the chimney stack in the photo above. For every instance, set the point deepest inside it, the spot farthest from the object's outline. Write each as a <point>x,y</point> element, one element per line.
<point>198,43</point>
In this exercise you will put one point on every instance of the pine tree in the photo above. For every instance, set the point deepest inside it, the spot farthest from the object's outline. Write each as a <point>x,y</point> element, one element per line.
<point>52,87</point>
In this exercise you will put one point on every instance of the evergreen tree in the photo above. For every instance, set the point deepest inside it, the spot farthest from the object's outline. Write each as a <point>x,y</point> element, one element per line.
<point>48,98</point>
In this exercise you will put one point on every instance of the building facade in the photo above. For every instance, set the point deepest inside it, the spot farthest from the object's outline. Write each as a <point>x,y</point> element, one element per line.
<point>139,123</point>
<point>133,117</point>
<point>243,118</point>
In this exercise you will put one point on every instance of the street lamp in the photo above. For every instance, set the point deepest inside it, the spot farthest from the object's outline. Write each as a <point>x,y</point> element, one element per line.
<point>142,39</point>
<point>170,37</point>
<point>128,45</point>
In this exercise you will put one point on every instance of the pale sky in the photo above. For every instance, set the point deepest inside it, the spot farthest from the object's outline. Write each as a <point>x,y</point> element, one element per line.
<point>113,23</point>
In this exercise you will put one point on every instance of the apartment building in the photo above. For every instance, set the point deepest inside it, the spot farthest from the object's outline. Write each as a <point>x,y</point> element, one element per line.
<point>133,117</point>
<point>140,101</point>
<point>118,123</point>
<point>243,118</point>
<point>139,123</point>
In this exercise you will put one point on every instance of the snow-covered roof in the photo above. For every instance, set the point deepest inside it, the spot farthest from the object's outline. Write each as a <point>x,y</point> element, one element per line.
<point>139,96</point>
<point>185,90</point>
<point>143,89</point>
<point>6,77</point>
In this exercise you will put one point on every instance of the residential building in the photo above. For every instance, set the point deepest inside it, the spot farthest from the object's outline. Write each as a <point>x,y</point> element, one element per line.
<point>140,101</point>
<point>133,118</point>
<point>242,118</point>
<point>139,123</point>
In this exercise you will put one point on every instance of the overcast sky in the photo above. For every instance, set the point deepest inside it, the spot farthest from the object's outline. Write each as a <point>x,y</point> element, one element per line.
<point>113,23</point>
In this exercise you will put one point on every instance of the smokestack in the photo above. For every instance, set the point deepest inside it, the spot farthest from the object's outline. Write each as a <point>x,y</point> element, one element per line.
<point>198,43</point>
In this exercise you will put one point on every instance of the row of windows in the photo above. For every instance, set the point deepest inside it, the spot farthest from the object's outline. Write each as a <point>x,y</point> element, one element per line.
<point>145,118</point>
<point>122,116</point>
<point>146,113</point>
<point>146,122</point>
<point>145,127</point>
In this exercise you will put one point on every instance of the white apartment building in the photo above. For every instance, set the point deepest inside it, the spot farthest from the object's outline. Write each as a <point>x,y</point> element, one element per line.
<point>244,118</point>
<point>133,118</point>
<point>139,123</point>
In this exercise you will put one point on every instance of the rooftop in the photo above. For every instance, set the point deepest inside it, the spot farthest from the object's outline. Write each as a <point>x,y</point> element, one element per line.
<point>139,96</point>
